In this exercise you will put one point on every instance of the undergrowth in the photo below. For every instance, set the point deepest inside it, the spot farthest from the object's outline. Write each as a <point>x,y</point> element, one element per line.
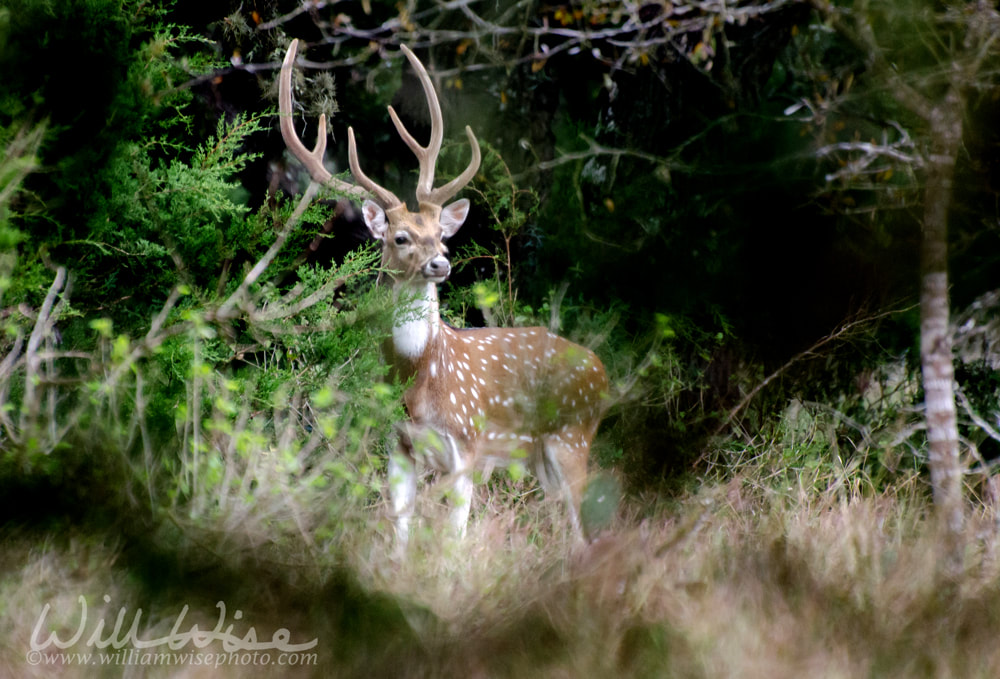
<point>218,434</point>
<point>734,579</point>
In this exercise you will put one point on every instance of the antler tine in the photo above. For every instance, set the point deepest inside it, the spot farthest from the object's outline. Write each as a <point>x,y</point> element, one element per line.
<point>444,193</point>
<point>427,155</point>
<point>313,160</point>
<point>386,198</point>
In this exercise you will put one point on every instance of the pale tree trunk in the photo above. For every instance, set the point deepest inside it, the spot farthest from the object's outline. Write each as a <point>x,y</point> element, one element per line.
<point>935,336</point>
<point>960,68</point>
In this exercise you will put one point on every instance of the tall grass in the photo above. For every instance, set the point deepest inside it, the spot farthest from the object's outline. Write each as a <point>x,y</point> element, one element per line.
<point>733,579</point>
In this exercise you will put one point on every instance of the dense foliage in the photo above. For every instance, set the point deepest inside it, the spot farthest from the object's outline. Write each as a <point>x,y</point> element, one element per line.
<point>723,201</point>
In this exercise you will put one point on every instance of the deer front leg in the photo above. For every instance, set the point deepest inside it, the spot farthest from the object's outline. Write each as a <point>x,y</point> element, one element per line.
<point>461,502</point>
<point>441,452</point>
<point>402,489</point>
<point>455,465</point>
<point>448,458</point>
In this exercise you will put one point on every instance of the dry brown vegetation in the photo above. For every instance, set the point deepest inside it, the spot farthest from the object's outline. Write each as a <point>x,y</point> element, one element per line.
<point>737,578</point>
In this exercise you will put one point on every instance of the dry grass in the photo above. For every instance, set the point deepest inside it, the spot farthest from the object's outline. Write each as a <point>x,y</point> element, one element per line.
<point>734,580</point>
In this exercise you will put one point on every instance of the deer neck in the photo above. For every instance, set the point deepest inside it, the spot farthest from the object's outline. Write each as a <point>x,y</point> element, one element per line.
<point>416,322</point>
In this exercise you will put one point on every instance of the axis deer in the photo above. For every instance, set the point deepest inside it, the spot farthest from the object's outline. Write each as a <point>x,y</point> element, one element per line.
<point>479,397</point>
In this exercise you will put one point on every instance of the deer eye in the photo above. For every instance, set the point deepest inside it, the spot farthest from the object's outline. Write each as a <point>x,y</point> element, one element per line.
<point>402,239</point>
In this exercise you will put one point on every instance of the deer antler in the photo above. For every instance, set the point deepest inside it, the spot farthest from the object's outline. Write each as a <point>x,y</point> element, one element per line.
<point>427,155</point>
<point>313,160</point>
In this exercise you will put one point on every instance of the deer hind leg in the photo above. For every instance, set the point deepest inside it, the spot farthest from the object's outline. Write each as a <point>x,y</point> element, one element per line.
<point>562,470</point>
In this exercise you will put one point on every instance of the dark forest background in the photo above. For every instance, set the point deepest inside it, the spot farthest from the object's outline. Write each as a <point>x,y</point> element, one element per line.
<point>723,200</point>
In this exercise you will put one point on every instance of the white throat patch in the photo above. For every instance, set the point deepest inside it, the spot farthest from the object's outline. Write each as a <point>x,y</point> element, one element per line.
<point>416,323</point>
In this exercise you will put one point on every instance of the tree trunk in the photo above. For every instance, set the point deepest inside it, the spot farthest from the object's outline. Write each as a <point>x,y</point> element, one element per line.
<point>935,336</point>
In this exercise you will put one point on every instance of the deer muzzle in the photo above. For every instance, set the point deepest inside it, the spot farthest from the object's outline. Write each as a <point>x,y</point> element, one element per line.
<point>437,269</point>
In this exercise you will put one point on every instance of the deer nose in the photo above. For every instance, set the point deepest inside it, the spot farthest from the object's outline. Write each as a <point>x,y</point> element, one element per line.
<point>437,268</point>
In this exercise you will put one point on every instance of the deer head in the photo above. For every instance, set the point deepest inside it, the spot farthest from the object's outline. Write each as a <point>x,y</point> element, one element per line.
<point>413,242</point>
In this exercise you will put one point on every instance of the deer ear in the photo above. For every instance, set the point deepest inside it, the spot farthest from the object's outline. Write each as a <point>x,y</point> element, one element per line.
<point>374,219</point>
<point>453,216</point>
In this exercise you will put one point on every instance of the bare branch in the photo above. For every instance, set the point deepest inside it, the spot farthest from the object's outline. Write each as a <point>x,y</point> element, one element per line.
<point>225,310</point>
<point>44,323</point>
<point>281,311</point>
<point>902,151</point>
<point>979,421</point>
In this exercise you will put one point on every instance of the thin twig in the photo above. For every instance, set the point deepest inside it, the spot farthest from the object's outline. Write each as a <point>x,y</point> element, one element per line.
<point>32,361</point>
<point>808,353</point>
